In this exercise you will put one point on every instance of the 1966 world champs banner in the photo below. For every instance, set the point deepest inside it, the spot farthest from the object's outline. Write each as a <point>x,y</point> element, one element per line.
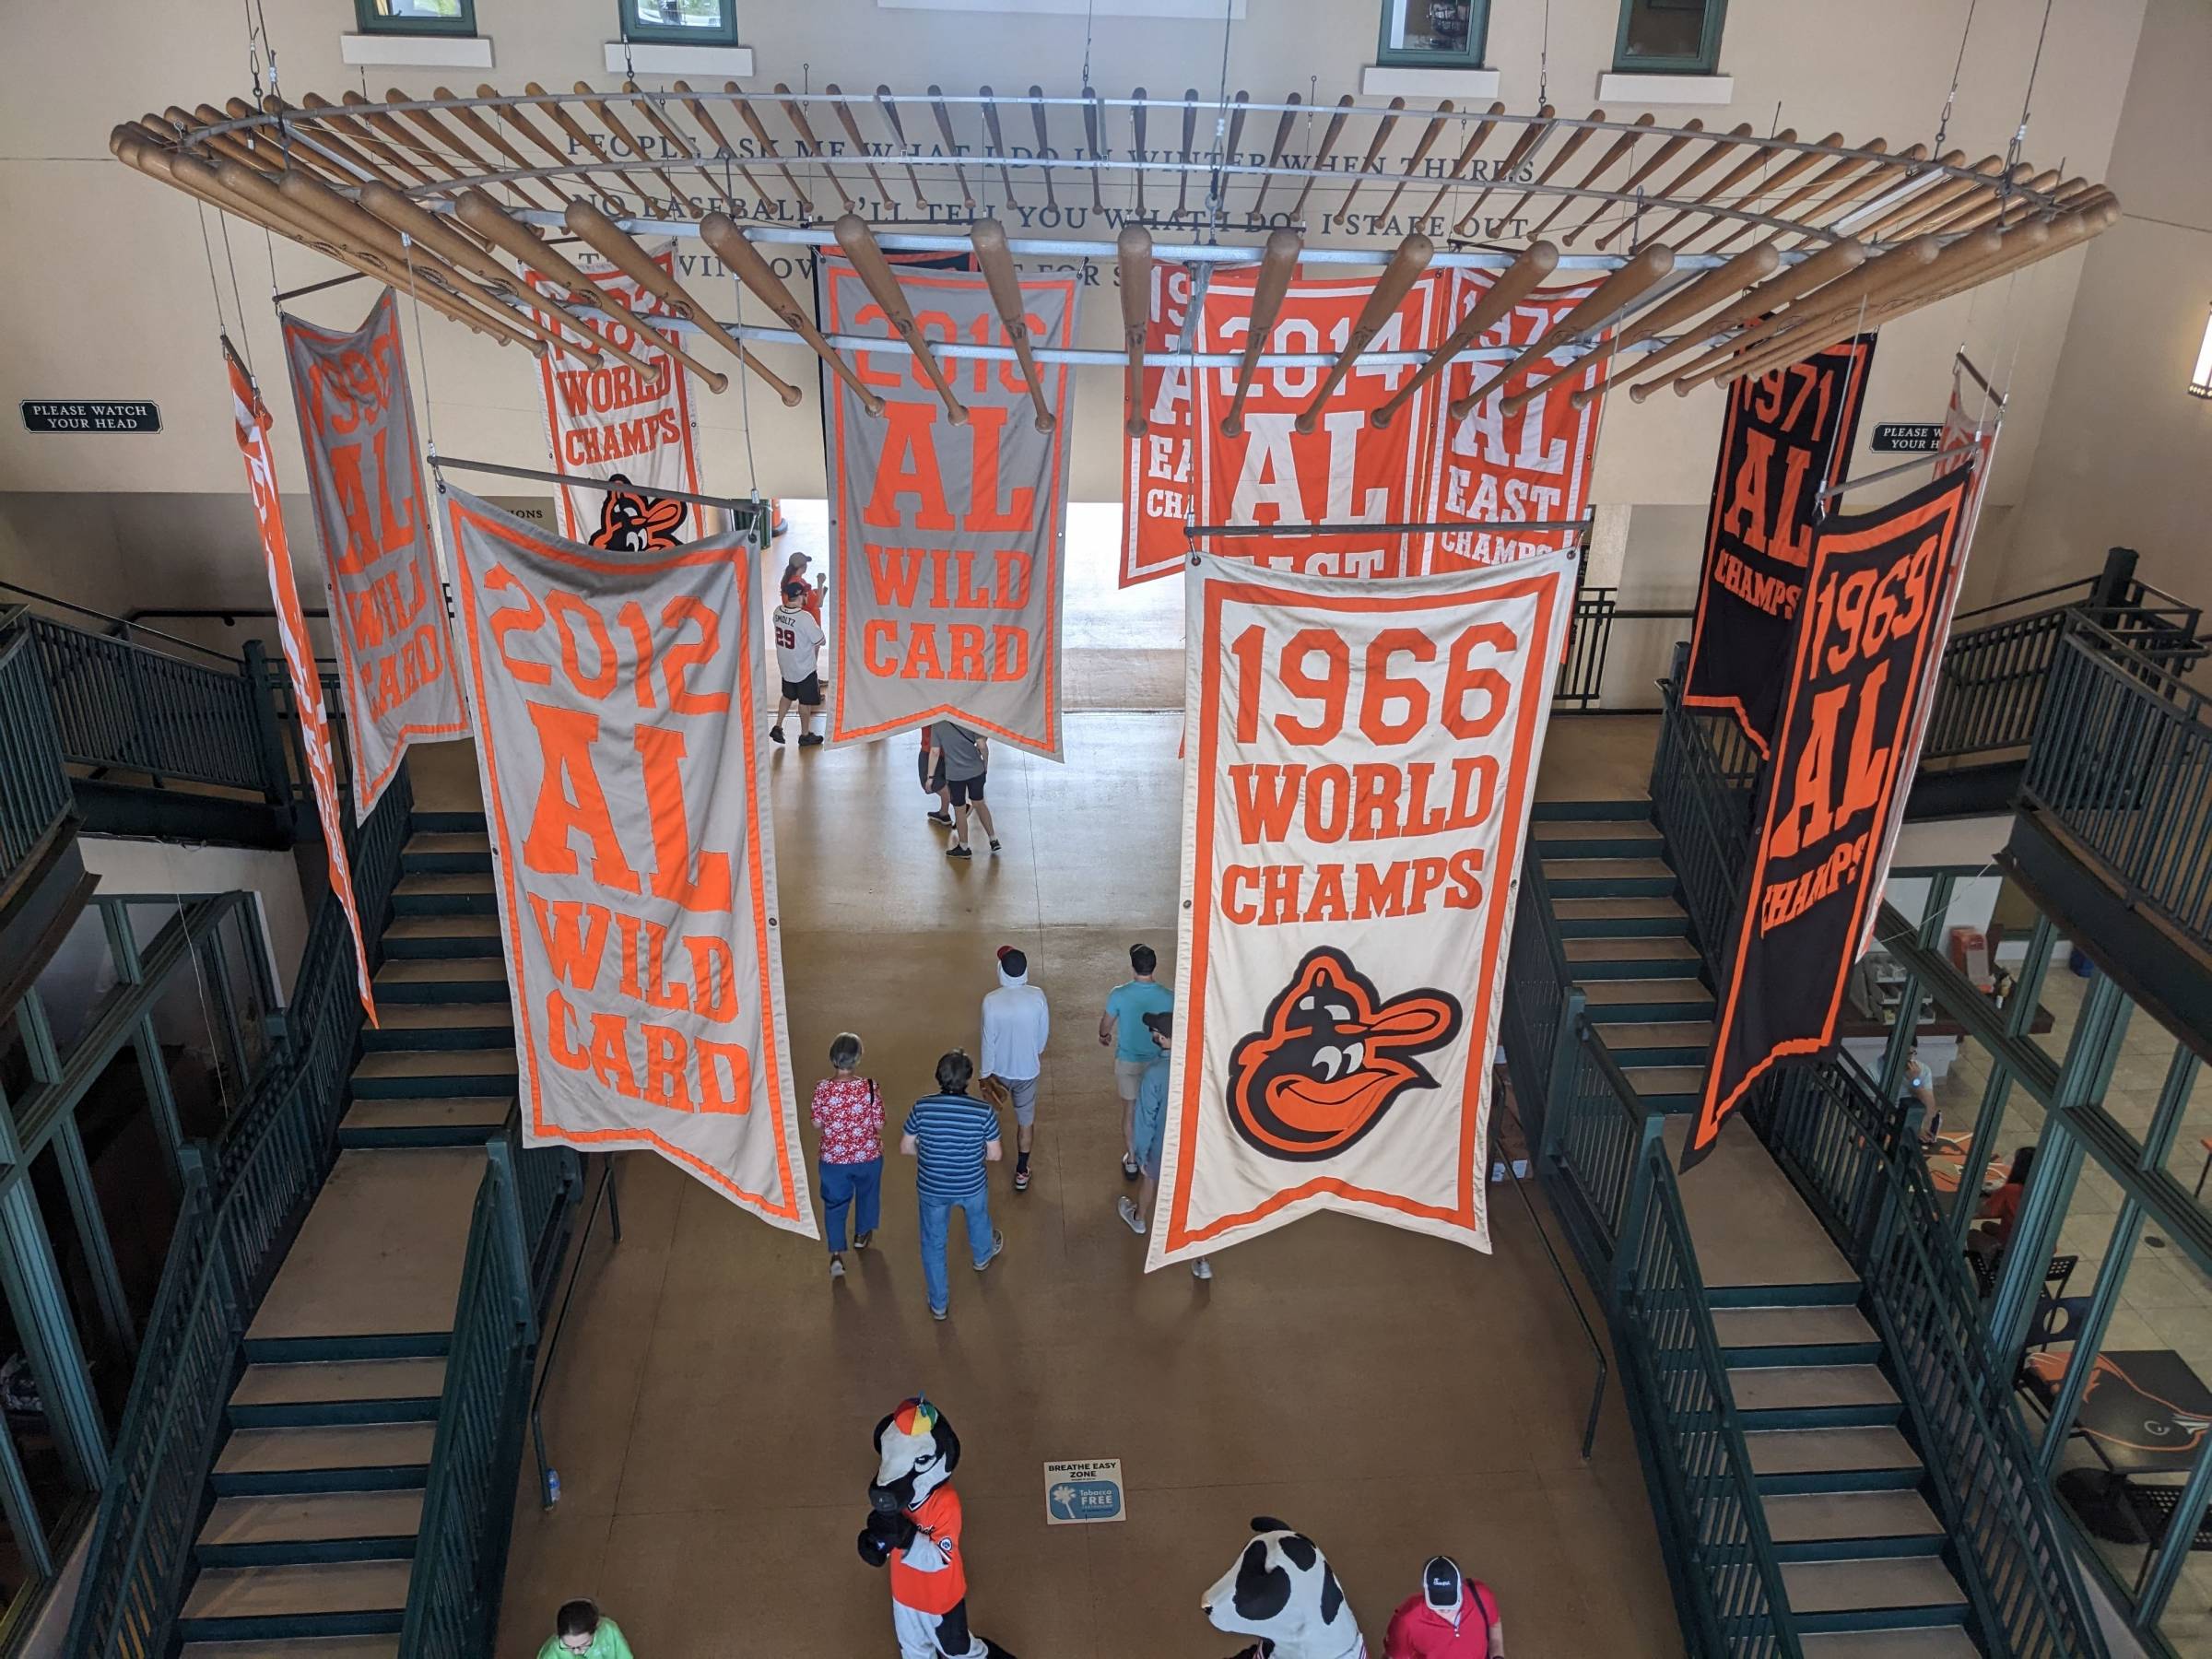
<point>631,848</point>
<point>1356,797</point>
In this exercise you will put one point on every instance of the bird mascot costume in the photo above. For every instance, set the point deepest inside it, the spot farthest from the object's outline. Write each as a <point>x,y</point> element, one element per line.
<point>914,1525</point>
<point>1283,1592</point>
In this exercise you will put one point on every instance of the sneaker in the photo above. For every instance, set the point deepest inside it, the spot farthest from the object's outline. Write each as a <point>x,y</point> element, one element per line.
<point>959,850</point>
<point>941,818</point>
<point>1129,1169</point>
<point>1126,1208</point>
<point>1201,1269</point>
<point>939,1313</point>
<point>837,1266</point>
<point>998,1242</point>
<point>995,845</point>
<point>775,733</point>
<point>862,1240</point>
<point>1021,1180</point>
<point>811,740</point>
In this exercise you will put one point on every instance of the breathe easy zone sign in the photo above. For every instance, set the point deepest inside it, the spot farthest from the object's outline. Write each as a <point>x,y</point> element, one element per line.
<point>87,416</point>
<point>1083,1491</point>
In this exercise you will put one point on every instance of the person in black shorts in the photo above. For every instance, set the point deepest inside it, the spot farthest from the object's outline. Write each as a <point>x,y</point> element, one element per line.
<point>964,758</point>
<point>798,652</point>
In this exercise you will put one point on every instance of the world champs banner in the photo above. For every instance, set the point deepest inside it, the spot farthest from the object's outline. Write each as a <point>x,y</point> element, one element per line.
<point>945,540</point>
<point>1786,435</point>
<point>387,605</point>
<point>1356,798</point>
<point>622,769</point>
<point>1876,592</point>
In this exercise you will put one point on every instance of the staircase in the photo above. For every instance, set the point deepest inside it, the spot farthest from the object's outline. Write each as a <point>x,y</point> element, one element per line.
<point>316,1495</point>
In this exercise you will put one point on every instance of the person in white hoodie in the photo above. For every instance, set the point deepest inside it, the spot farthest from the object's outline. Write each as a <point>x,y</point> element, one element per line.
<point>1017,1023</point>
<point>798,651</point>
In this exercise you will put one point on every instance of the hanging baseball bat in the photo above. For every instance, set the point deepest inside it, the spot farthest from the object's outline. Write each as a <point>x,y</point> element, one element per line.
<point>1750,158</point>
<point>890,113</point>
<point>810,145</point>
<point>1575,140</point>
<point>998,137</point>
<point>1275,151</point>
<point>1826,178</point>
<point>1483,129</point>
<point>338,119</point>
<point>1090,136</point>
<point>753,124</point>
<point>1652,264</point>
<point>1133,248</point>
<point>1531,136</point>
<point>1512,285</point>
<point>1645,168</point>
<point>1420,154</point>
<point>720,232</point>
<point>396,138</point>
<point>1382,301</point>
<point>1835,260</point>
<point>1709,153</point>
<point>1189,131</point>
<point>1279,264</point>
<point>1981,203</point>
<point>1136,128</point>
<point>579,136</point>
<point>860,144</point>
<point>936,102</point>
<point>988,237</point>
<point>1320,157</point>
<point>499,143</point>
<point>1814,221</point>
<point>1613,152</point>
<point>1906,219</point>
<point>677,139</point>
<point>1236,138</point>
<point>1044,141</point>
<point>859,244</point>
<point>1788,173</point>
<point>1366,162</point>
<point>604,111</point>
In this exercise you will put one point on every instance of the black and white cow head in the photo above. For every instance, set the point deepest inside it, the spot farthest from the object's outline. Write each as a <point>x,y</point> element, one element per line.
<point>916,1453</point>
<point>1283,1591</point>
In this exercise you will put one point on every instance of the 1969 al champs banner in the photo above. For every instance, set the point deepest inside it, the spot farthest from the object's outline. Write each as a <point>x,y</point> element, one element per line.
<point>387,605</point>
<point>1356,787</point>
<point>630,846</point>
<point>945,535</point>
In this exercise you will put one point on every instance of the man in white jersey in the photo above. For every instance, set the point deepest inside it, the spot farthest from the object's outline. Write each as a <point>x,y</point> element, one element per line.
<point>798,653</point>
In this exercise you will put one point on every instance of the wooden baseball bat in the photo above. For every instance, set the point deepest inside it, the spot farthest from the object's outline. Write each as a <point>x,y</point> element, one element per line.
<point>1275,151</point>
<point>1189,131</point>
<point>1532,134</point>
<point>1236,137</point>
<point>1750,158</point>
<point>859,243</point>
<point>1942,189</point>
<point>393,128</point>
<point>1652,264</point>
<point>1420,153</point>
<point>1575,140</point>
<point>490,220</point>
<point>1813,220</point>
<point>515,117</point>
<point>427,121</point>
<point>1279,264</point>
<point>1366,162</point>
<point>1382,301</point>
<point>890,113</point>
<point>275,152</point>
<point>334,119</point>
<point>1136,128</point>
<point>720,232</point>
<point>1724,282</point>
<point>1513,283</point>
<point>650,107</point>
<point>988,237</point>
<point>604,111</point>
<point>354,163</point>
<point>1133,249</point>
<point>1650,165</point>
<point>1980,206</point>
<point>998,137</point>
<point>1320,157</point>
<point>2004,209</point>
<point>1711,152</point>
<point>724,149</point>
<point>624,256</point>
<point>936,102</point>
<point>580,136</point>
<point>1828,178</point>
<point>190,122</point>
<point>1483,129</point>
<point>808,144</point>
<point>1613,152</point>
<point>1044,141</point>
<point>860,144</point>
<point>1091,144</point>
<point>1838,259</point>
<point>502,146</point>
<point>739,101</point>
<point>1783,176</point>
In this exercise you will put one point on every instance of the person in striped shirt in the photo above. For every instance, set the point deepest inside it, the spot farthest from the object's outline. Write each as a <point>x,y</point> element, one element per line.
<point>951,1136</point>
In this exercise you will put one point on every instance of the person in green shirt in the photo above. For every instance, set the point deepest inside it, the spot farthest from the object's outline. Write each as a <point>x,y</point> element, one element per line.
<point>580,1633</point>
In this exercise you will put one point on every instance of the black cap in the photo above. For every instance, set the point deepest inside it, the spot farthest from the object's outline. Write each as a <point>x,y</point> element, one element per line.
<point>1441,1584</point>
<point>1162,1021</point>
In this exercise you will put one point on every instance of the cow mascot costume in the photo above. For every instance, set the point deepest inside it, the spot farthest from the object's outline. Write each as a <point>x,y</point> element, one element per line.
<point>1283,1591</point>
<point>914,1524</point>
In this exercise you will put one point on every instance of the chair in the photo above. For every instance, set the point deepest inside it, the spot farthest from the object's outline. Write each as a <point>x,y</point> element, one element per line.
<point>2058,1273</point>
<point>2055,1320</point>
<point>2154,1509</point>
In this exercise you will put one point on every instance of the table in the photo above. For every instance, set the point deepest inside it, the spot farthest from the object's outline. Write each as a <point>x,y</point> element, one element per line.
<point>2144,1412</point>
<point>1948,1164</point>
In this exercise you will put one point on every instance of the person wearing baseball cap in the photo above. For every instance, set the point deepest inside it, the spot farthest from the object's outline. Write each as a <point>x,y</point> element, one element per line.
<point>1151,1133</point>
<point>1451,1616</point>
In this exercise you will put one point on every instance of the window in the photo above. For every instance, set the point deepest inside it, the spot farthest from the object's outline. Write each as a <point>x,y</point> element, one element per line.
<point>681,22</point>
<point>1677,37</point>
<point>1434,34</point>
<point>416,17</point>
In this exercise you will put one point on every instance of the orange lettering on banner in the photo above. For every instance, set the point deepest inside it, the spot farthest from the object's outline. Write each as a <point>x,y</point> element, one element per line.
<point>368,539</point>
<point>672,878</point>
<point>909,466</point>
<point>985,423</point>
<point>570,798</point>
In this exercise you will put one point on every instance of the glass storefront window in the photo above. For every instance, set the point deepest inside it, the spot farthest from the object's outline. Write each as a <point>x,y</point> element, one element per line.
<point>105,1354</point>
<point>132,1178</point>
<point>77,978</point>
<point>197,1052</point>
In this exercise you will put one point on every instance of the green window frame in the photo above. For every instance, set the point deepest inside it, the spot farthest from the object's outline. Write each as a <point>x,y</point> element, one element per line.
<point>1704,61</point>
<point>375,17</point>
<point>1396,15</point>
<point>719,30</point>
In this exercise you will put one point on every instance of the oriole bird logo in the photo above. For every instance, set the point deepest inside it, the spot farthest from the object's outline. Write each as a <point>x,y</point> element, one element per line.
<point>1331,1058</point>
<point>632,521</point>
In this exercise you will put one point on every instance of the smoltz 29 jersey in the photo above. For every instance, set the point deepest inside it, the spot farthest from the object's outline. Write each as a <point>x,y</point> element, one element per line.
<point>798,643</point>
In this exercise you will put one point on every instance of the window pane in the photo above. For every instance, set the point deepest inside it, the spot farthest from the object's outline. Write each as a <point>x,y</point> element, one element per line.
<point>680,14</point>
<point>239,937</point>
<point>417,8</point>
<point>1429,26</point>
<point>1665,29</point>
<point>15,1077</point>
<point>77,978</point>
<point>23,1407</point>
<point>111,1365</point>
<point>2193,1141</point>
<point>130,1177</point>
<point>195,1045</point>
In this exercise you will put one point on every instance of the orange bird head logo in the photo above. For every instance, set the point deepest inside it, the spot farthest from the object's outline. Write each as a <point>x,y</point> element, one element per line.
<point>632,521</point>
<point>1331,1058</point>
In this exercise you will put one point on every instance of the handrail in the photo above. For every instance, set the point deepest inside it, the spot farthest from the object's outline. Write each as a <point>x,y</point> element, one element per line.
<point>129,625</point>
<point>1701,798</point>
<point>35,800</point>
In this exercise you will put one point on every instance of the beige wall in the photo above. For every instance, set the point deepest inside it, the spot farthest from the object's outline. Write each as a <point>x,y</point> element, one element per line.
<point>110,295</point>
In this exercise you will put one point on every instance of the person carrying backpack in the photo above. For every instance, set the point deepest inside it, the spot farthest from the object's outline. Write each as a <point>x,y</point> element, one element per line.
<point>1451,1616</point>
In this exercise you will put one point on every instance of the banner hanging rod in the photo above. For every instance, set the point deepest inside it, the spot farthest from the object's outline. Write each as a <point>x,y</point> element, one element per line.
<point>1193,531</point>
<point>456,464</point>
<point>1831,492</point>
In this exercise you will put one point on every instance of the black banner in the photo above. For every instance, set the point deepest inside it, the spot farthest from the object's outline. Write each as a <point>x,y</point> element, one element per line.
<point>1786,435</point>
<point>1875,609</point>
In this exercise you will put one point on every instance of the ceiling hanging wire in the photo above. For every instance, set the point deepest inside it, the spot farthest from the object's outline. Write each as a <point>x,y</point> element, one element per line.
<point>2019,134</point>
<point>1943,125</point>
<point>1544,60</point>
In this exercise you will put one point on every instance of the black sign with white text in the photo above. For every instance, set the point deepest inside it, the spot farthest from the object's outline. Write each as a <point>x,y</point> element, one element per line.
<point>89,416</point>
<point>1907,437</point>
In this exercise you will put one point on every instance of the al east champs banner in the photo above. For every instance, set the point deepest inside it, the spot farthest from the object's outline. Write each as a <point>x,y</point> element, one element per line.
<point>612,421</point>
<point>250,425</point>
<point>945,540</point>
<point>1876,592</point>
<point>622,769</point>
<point>1493,467</point>
<point>1156,475</point>
<point>1786,436</point>
<point>1343,471</point>
<point>387,607</point>
<point>1355,797</point>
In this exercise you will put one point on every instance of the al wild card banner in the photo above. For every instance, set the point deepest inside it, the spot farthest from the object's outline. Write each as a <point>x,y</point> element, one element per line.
<point>1786,436</point>
<point>1877,592</point>
<point>387,605</point>
<point>945,539</point>
<point>634,871</point>
<point>1355,797</point>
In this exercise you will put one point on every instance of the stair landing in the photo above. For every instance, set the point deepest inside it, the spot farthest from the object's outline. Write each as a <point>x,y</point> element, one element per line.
<point>1750,1226</point>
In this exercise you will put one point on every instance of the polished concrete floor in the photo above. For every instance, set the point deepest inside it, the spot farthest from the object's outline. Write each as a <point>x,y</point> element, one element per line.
<point>710,1406</point>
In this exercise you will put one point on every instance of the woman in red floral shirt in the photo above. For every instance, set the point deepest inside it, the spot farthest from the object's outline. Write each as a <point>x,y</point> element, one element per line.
<point>847,1110</point>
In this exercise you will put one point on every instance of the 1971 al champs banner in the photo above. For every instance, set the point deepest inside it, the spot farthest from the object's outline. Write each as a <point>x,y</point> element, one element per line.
<point>945,535</point>
<point>1355,797</point>
<point>387,605</point>
<point>250,425</point>
<point>630,846</point>
<point>1876,592</point>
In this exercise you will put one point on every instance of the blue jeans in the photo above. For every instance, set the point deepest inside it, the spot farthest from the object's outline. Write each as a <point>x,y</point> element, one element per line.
<point>854,1186</point>
<point>935,1219</point>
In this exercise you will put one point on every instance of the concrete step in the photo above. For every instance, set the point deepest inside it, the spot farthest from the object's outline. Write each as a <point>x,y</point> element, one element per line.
<point>446,853</point>
<point>1668,1088</point>
<point>419,937</point>
<point>442,1025</point>
<point>1793,1461</point>
<point>1813,1396</point>
<point>1608,878</point>
<point>1608,1001</point>
<point>1876,1592</point>
<point>337,1390</point>
<point>317,1647</point>
<point>432,1074</point>
<point>1938,1641</point>
<point>344,1598</point>
<point>1556,812</point>
<point>1823,1526</point>
<point>410,980</point>
<point>1660,1042</point>
<point>441,893</point>
<point>1796,1336</point>
<point>1595,838</point>
<point>1603,958</point>
<point>1635,916</point>
<point>297,1530</point>
<point>423,1121</point>
<point>379,1457</point>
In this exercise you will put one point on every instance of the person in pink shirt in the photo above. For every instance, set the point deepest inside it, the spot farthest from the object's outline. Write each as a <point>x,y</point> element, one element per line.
<point>1451,1616</point>
<point>847,1110</point>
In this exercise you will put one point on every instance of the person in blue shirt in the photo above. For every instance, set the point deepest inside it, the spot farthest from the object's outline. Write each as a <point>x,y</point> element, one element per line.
<point>1122,1026</point>
<point>951,1136</point>
<point>1151,1133</point>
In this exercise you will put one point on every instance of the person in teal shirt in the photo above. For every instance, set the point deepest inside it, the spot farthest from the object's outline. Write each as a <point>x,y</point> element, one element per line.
<point>1122,1025</point>
<point>580,1633</point>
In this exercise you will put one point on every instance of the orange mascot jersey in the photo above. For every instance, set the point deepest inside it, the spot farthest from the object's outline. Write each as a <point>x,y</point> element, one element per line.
<point>930,1575</point>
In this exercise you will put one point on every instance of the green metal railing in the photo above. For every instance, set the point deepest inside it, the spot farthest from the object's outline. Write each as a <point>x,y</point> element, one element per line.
<point>1702,777</point>
<point>34,789</point>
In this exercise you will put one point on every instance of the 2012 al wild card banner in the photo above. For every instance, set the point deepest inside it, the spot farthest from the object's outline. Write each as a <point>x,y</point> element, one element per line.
<point>612,421</point>
<point>1356,798</point>
<point>1343,471</point>
<point>633,866</point>
<point>250,425</point>
<point>387,605</point>
<point>944,536</point>
<point>1786,435</point>
<point>1877,587</point>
